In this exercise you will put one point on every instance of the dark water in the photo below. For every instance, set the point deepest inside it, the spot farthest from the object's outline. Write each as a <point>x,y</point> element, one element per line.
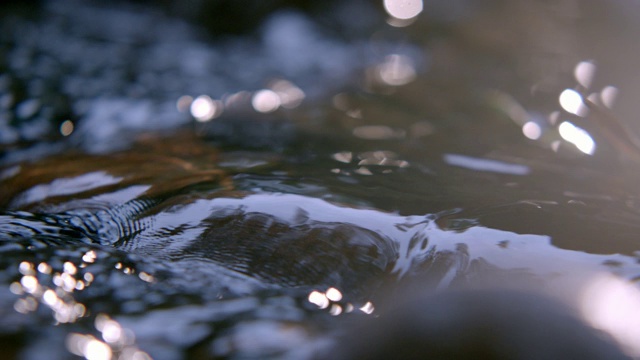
<point>173,189</point>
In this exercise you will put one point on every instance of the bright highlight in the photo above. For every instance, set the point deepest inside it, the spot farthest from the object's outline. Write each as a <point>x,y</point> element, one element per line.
<point>403,9</point>
<point>578,137</point>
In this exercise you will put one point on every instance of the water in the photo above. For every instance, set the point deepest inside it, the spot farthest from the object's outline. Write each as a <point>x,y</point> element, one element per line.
<point>170,192</point>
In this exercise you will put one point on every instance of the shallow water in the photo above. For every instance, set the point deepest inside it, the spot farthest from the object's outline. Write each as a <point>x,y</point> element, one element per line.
<point>173,193</point>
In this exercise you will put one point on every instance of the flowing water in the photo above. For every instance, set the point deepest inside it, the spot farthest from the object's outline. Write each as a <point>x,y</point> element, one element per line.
<point>169,191</point>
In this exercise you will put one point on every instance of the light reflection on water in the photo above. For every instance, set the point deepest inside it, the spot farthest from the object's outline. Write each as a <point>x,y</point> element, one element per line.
<point>180,235</point>
<point>611,305</point>
<point>608,96</point>
<point>396,70</point>
<point>402,12</point>
<point>265,101</point>
<point>403,9</point>
<point>203,108</point>
<point>415,239</point>
<point>60,299</point>
<point>571,101</point>
<point>485,165</point>
<point>577,136</point>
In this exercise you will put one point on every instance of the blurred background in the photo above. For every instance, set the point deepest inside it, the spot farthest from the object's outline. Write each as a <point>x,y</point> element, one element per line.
<point>75,68</point>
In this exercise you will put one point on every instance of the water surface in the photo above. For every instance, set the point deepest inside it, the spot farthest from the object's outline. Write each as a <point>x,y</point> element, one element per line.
<point>177,193</point>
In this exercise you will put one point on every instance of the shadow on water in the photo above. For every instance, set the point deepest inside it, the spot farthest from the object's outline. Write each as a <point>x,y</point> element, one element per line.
<point>178,184</point>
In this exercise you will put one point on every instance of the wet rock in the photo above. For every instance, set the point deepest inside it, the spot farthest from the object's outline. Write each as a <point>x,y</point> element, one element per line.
<point>476,324</point>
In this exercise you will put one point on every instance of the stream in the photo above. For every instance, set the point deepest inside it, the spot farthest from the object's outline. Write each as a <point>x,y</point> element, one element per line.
<point>177,185</point>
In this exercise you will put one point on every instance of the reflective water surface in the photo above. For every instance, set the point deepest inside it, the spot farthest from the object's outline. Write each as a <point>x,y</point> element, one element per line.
<point>170,189</point>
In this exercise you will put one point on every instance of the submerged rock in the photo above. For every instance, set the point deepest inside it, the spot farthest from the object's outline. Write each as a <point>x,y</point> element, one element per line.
<point>477,324</point>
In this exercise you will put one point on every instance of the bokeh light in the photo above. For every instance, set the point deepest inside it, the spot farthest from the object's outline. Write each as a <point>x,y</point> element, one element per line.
<point>44,268</point>
<point>89,257</point>
<point>334,294</point>
<point>396,70</point>
<point>290,95</point>
<point>367,308</point>
<point>608,96</point>
<point>332,300</point>
<point>319,299</point>
<point>577,136</point>
<point>343,156</point>
<point>67,278</point>
<point>266,101</point>
<point>184,103</point>
<point>111,330</point>
<point>403,9</point>
<point>88,347</point>
<point>66,128</point>
<point>571,102</point>
<point>335,310</point>
<point>29,284</point>
<point>203,108</point>
<point>584,73</point>
<point>532,130</point>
